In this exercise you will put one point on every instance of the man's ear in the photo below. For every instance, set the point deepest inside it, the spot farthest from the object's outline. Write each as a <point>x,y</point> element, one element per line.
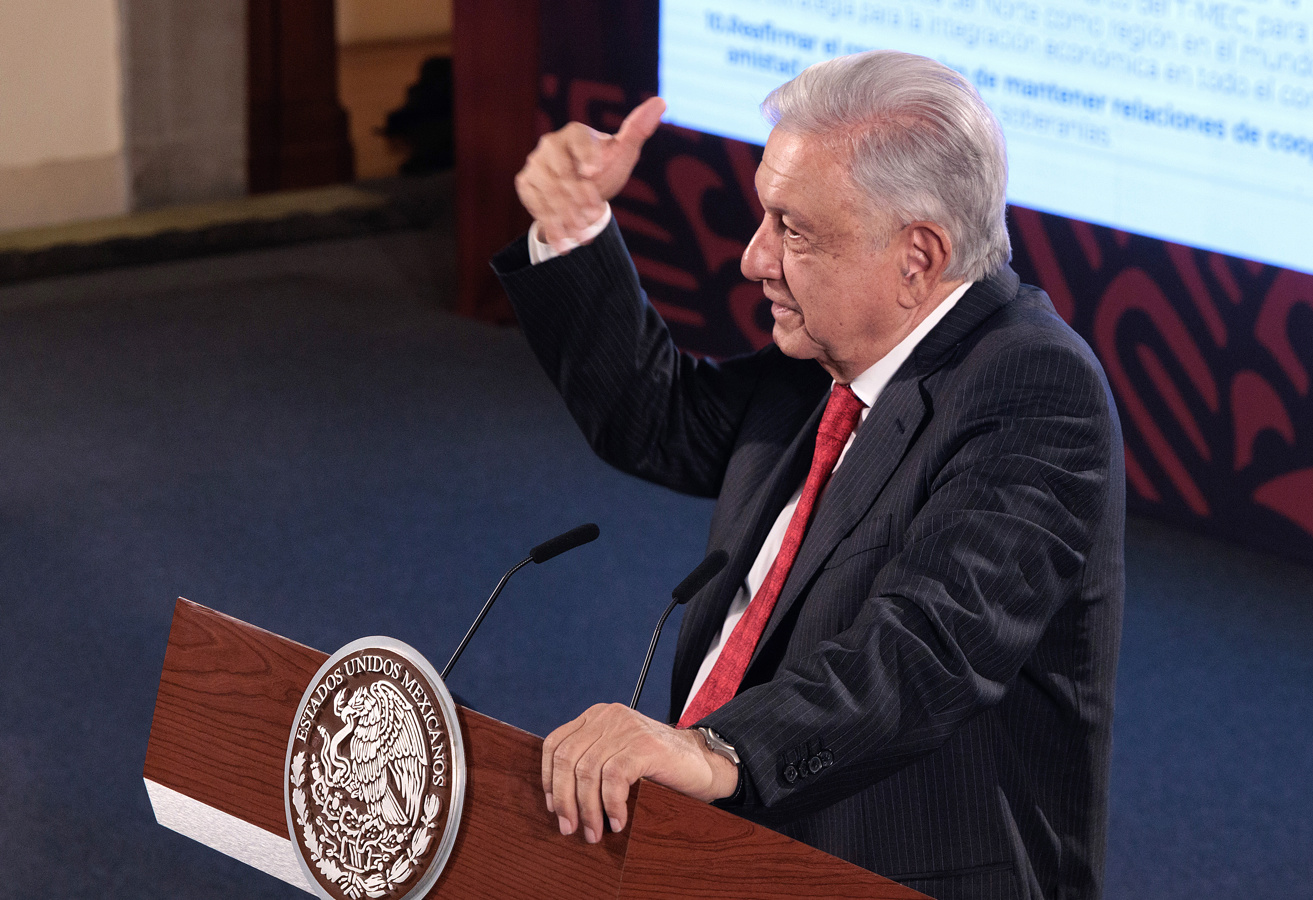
<point>927,250</point>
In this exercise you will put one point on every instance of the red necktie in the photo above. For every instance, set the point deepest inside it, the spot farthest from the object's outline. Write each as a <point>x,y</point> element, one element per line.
<point>842,412</point>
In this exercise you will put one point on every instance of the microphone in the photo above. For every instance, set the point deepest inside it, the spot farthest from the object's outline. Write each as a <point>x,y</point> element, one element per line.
<point>563,542</point>
<point>708,569</point>
<point>575,537</point>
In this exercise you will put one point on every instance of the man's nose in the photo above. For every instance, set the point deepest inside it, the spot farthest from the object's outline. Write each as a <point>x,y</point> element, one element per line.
<point>762,258</point>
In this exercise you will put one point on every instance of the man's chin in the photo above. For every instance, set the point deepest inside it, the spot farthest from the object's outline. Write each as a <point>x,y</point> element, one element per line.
<point>793,341</point>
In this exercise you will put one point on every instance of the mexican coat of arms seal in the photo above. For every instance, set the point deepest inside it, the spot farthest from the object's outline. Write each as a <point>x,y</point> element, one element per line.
<point>375,774</point>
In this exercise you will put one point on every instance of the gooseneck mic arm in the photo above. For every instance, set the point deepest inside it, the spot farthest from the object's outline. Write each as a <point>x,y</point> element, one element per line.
<point>708,569</point>
<point>540,554</point>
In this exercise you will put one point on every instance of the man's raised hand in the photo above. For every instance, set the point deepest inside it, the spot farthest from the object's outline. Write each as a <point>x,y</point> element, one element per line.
<point>572,173</point>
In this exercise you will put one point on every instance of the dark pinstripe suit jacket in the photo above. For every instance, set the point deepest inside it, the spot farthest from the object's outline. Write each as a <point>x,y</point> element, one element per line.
<point>932,697</point>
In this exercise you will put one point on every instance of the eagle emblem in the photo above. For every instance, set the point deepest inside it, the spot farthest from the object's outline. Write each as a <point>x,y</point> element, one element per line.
<point>385,765</point>
<point>375,774</point>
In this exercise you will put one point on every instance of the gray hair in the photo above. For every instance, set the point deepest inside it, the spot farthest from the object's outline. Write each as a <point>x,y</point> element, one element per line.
<point>924,146</point>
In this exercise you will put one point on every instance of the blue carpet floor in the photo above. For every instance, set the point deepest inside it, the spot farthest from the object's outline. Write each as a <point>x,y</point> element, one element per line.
<point>301,439</point>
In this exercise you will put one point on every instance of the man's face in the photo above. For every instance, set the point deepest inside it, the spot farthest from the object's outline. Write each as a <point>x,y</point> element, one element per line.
<point>825,261</point>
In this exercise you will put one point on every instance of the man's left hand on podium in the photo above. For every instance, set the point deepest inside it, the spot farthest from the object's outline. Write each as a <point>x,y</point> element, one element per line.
<point>590,764</point>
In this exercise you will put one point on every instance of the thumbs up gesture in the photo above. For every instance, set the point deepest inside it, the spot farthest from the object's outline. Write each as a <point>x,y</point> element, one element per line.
<point>571,175</point>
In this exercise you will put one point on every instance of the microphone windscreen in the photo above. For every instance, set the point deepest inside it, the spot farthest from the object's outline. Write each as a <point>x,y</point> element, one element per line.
<point>562,542</point>
<point>708,569</point>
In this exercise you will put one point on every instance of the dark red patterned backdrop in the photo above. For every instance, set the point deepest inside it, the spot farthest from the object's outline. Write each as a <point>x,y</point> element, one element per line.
<point>1210,357</point>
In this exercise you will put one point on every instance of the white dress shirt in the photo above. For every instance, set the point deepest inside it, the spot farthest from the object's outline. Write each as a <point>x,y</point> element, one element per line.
<point>540,251</point>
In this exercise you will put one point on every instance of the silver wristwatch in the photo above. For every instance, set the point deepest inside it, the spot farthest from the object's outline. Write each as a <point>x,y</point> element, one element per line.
<point>718,745</point>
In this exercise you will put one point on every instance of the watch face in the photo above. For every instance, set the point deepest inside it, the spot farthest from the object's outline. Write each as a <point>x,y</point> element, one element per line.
<point>718,745</point>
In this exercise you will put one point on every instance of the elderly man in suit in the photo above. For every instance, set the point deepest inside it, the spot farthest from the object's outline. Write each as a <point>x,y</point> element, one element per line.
<point>909,659</point>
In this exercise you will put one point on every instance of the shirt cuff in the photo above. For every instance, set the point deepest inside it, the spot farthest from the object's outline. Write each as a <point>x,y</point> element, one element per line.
<point>540,251</point>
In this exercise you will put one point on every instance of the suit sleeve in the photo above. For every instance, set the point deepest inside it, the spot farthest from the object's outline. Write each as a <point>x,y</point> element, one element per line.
<point>645,407</point>
<point>1011,508</point>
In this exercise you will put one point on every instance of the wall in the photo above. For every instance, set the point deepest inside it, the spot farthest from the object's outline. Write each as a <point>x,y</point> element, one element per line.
<point>367,21</point>
<point>61,123</point>
<point>184,100</point>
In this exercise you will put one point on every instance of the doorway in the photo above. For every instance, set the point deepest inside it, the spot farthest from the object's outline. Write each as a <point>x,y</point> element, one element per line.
<point>394,80</point>
<point>322,78</point>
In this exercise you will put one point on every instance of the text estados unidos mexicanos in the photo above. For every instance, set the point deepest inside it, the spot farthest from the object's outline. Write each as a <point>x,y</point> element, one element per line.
<point>391,668</point>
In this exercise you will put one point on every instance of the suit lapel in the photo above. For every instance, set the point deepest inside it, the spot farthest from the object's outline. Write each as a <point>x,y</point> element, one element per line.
<point>876,452</point>
<point>704,616</point>
<point>784,480</point>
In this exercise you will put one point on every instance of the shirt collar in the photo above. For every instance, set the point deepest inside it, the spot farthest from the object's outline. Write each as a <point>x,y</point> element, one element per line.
<point>868,385</point>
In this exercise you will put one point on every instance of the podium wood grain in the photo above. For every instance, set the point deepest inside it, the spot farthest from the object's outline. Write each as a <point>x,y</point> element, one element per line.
<point>729,858</point>
<point>227,698</point>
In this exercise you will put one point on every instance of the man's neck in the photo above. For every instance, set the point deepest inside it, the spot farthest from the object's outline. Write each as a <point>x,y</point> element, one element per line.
<point>846,371</point>
<point>868,384</point>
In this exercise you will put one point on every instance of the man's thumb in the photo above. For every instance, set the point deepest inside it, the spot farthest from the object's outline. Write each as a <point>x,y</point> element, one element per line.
<point>639,125</point>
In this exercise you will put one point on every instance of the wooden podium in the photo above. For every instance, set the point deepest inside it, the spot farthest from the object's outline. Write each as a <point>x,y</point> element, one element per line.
<point>214,771</point>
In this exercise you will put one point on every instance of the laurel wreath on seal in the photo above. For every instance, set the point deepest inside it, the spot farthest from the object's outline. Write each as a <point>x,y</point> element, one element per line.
<point>354,884</point>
